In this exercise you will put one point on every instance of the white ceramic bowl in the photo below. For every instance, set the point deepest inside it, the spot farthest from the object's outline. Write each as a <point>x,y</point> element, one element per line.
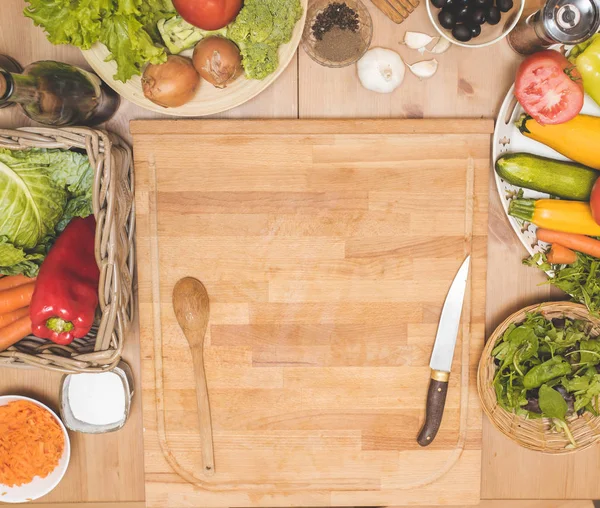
<point>490,34</point>
<point>38,487</point>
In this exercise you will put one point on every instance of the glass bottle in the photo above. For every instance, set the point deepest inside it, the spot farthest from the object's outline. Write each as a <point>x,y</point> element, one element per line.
<point>10,65</point>
<point>58,94</point>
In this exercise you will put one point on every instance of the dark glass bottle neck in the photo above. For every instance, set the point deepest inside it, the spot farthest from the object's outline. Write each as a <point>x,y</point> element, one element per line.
<point>17,88</point>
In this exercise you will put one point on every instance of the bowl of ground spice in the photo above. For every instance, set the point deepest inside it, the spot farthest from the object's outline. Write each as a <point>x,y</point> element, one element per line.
<point>337,34</point>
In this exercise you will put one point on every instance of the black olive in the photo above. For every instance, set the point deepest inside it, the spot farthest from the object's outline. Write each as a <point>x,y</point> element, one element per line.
<point>461,3</point>
<point>439,3</point>
<point>475,29</point>
<point>447,18</point>
<point>504,5</point>
<point>463,14</point>
<point>461,33</point>
<point>450,4</point>
<point>478,16</point>
<point>492,16</point>
<point>483,3</point>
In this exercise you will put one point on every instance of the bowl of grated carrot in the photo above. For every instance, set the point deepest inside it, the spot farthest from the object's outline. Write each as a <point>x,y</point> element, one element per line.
<point>34,449</point>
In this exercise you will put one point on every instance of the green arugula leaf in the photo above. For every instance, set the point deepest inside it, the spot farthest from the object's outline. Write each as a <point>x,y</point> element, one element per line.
<point>580,280</point>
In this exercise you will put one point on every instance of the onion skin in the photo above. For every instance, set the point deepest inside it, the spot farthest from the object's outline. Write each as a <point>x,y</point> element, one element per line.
<point>218,61</point>
<point>171,84</point>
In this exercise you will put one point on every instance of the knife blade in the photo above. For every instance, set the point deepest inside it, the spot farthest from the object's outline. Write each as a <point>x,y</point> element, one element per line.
<point>442,355</point>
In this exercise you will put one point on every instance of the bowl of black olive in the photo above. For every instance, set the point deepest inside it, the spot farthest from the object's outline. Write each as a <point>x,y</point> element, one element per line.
<point>474,23</point>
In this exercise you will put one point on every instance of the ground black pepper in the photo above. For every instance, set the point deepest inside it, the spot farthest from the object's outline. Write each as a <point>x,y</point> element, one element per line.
<point>336,14</point>
<point>338,45</point>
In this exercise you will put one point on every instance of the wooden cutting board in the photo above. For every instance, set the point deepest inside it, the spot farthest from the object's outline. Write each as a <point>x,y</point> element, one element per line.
<point>327,249</point>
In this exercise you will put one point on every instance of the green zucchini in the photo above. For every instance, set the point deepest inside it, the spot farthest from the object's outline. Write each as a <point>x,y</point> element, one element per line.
<point>566,180</point>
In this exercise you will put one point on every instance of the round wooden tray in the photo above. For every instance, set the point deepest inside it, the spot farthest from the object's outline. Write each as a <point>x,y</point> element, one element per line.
<point>209,100</point>
<point>536,434</point>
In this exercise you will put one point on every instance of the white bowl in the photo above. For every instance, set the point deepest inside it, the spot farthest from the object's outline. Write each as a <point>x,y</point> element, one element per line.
<point>38,487</point>
<point>490,34</point>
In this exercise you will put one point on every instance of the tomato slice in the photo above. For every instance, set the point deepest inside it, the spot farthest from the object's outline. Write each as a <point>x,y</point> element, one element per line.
<point>549,88</point>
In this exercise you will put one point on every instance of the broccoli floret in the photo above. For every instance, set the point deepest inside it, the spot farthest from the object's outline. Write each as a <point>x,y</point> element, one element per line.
<point>259,29</point>
<point>259,59</point>
<point>286,14</point>
<point>178,35</point>
<point>254,23</point>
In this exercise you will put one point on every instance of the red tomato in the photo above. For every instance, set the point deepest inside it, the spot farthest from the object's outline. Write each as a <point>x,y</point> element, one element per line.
<point>549,88</point>
<point>208,14</point>
<point>595,201</point>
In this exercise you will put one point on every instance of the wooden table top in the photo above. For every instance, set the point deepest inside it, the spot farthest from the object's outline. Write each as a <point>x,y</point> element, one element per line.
<point>470,83</point>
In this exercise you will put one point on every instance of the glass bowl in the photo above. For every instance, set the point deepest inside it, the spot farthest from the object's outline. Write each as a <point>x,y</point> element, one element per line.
<point>490,34</point>
<point>365,30</point>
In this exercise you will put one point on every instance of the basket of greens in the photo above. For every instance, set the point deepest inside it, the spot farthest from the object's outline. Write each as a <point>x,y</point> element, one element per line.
<point>66,248</point>
<point>539,377</point>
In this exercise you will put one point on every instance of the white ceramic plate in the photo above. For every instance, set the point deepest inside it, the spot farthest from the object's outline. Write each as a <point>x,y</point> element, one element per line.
<point>508,139</point>
<point>209,100</point>
<point>38,487</point>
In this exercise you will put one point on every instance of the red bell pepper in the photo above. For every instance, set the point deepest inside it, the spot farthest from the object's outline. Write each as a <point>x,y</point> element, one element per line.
<point>64,302</point>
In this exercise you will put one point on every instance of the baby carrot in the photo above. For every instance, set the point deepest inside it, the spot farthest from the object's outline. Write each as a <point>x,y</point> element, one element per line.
<point>559,255</point>
<point>14,332</point>
<point>580,243</point>
<point>11,317</point>
<point>14,281</point>
<point>16,298</point>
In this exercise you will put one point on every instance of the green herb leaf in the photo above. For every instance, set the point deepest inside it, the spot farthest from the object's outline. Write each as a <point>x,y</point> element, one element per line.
<point>580,280</point>
<point>552,403</point>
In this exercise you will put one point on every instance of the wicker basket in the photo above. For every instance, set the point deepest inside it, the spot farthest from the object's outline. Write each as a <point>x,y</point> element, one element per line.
<point>113,207</point>
<point>536,434</point>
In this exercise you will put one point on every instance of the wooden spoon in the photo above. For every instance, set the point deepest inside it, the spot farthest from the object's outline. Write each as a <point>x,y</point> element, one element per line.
<point>192,308</point>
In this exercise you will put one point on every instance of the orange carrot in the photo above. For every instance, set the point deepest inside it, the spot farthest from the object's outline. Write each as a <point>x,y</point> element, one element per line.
<point>14,332</point>
<point>16,298</point>
<point>14,281</point>
<point>559,255</point>
<point>11,317</point>
<point>31,442</point>
<point>580,243</point>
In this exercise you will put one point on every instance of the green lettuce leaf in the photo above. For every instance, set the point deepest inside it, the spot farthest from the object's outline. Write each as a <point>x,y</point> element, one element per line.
<point>126,27</point>
<point>130,45</point>
<point>69,22</point>
<point>31,203</point>
<point>42,190</point>
<point>15,261</point>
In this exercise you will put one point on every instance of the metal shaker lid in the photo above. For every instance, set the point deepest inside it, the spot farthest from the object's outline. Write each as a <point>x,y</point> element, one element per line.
<point>571,21</point>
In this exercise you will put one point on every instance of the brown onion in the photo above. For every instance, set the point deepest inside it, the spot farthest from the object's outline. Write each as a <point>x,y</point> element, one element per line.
<point>172,83</point>
<point>217,60</point>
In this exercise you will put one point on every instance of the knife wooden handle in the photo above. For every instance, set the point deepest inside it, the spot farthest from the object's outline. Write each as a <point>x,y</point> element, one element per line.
<point>434,410</point>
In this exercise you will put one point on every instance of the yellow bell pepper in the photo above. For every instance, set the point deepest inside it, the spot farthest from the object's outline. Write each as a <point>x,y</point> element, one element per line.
<point>556,214</point>
<point>577,139</point>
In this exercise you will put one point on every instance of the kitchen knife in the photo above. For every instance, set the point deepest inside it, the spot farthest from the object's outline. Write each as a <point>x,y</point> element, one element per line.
<point>443,352</point>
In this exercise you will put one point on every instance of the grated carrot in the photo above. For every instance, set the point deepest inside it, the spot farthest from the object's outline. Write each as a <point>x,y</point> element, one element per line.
<point>31,443</point>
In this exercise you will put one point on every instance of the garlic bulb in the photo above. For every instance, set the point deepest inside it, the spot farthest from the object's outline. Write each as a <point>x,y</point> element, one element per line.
<point>381,70</point>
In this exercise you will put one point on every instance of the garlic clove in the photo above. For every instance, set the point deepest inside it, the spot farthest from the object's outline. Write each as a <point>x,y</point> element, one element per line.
<point>417,40</point>
<point>424,69</point>
<point>441,46</point>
